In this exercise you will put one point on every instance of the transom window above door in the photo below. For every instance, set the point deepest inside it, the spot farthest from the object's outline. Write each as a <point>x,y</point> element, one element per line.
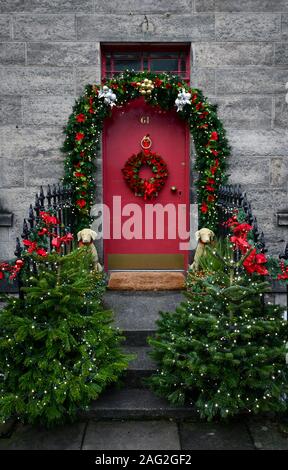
<point>157,58</point>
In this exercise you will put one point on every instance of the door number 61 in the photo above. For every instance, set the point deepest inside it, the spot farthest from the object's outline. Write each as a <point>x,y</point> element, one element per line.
<point>145,119</point>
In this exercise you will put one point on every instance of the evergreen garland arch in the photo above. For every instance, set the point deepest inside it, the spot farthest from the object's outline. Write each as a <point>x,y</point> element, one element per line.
<point>85,124</point>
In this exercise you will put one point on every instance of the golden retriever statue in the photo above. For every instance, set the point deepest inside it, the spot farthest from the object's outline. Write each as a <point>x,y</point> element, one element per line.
<point>86,237</point>
<point>205,236</point>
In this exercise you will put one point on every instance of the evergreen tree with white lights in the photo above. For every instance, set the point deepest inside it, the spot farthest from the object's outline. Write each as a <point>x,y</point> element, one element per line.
<point>58,350</point>
<point>223,350</point>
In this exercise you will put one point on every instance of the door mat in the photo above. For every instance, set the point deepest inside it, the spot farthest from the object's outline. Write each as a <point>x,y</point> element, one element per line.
<point>137,280</point>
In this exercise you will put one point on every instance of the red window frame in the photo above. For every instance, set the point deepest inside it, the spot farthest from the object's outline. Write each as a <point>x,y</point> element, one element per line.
<point>146,50</point>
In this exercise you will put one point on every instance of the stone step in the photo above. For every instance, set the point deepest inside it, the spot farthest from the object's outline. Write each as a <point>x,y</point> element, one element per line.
<point>137,338</point>
<point>139,368</point>
<point>137,312</point>
<point>136,403</point>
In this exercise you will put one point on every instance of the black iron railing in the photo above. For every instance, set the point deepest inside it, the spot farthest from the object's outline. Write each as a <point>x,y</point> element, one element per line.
<point>231,199</point>
<point>58,200</point>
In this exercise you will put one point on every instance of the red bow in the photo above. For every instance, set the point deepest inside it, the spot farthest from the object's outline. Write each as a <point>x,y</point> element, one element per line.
<point>57,241</point>
<point>43,231</point>
<point>232,221</point>
<point>149,190</point>
<point>241,243</point>
<point>49,219</point>
<point>239,239</point>
<point>32,245</point>
<point>254,263</point>
<point>34,248</point>
<point>242,230</point>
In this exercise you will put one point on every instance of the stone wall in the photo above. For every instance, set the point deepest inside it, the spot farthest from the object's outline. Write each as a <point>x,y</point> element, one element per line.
<point>50,48</point>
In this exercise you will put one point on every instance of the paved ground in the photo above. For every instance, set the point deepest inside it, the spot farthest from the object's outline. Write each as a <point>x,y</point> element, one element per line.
<point>250,434</point>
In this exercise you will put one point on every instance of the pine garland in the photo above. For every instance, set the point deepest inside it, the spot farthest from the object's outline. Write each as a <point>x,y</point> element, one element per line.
<point>83,133</point>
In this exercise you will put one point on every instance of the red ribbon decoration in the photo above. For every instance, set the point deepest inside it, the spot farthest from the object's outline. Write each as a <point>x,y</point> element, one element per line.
<point>57,241</point>
<point>254,263</point>
<point>49,219</point>
<point>33,247</point>
<point>240,231</point>
<point>149,190</point>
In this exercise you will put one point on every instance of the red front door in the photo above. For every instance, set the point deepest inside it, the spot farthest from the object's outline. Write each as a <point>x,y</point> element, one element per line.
<point>142,234</point>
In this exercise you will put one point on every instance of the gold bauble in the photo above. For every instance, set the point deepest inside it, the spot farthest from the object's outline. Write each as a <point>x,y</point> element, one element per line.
<point>143,92</point>
<point>138,84</point>
<point>149,92</point>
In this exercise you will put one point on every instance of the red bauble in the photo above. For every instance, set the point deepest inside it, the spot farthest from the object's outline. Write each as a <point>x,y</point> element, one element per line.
<point>19,263</point>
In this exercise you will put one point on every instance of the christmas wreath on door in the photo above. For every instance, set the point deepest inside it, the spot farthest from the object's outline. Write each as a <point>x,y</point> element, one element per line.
<point>143,187</point>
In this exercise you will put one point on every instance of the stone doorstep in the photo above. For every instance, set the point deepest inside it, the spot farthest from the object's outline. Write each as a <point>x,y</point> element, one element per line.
<point>135,403</point>
<point>138,311</point>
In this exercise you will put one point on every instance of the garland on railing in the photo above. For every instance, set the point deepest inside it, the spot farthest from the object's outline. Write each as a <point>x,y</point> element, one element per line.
<point>42,240</point>
<point>254,261</point>
<point>85,124</point>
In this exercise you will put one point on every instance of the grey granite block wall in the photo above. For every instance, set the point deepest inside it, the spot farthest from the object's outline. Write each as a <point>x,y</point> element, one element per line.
<point>49,49</point>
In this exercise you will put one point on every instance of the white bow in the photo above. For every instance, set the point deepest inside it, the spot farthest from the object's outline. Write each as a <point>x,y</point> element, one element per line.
<point>182,99</point>
<point>108,95</point>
